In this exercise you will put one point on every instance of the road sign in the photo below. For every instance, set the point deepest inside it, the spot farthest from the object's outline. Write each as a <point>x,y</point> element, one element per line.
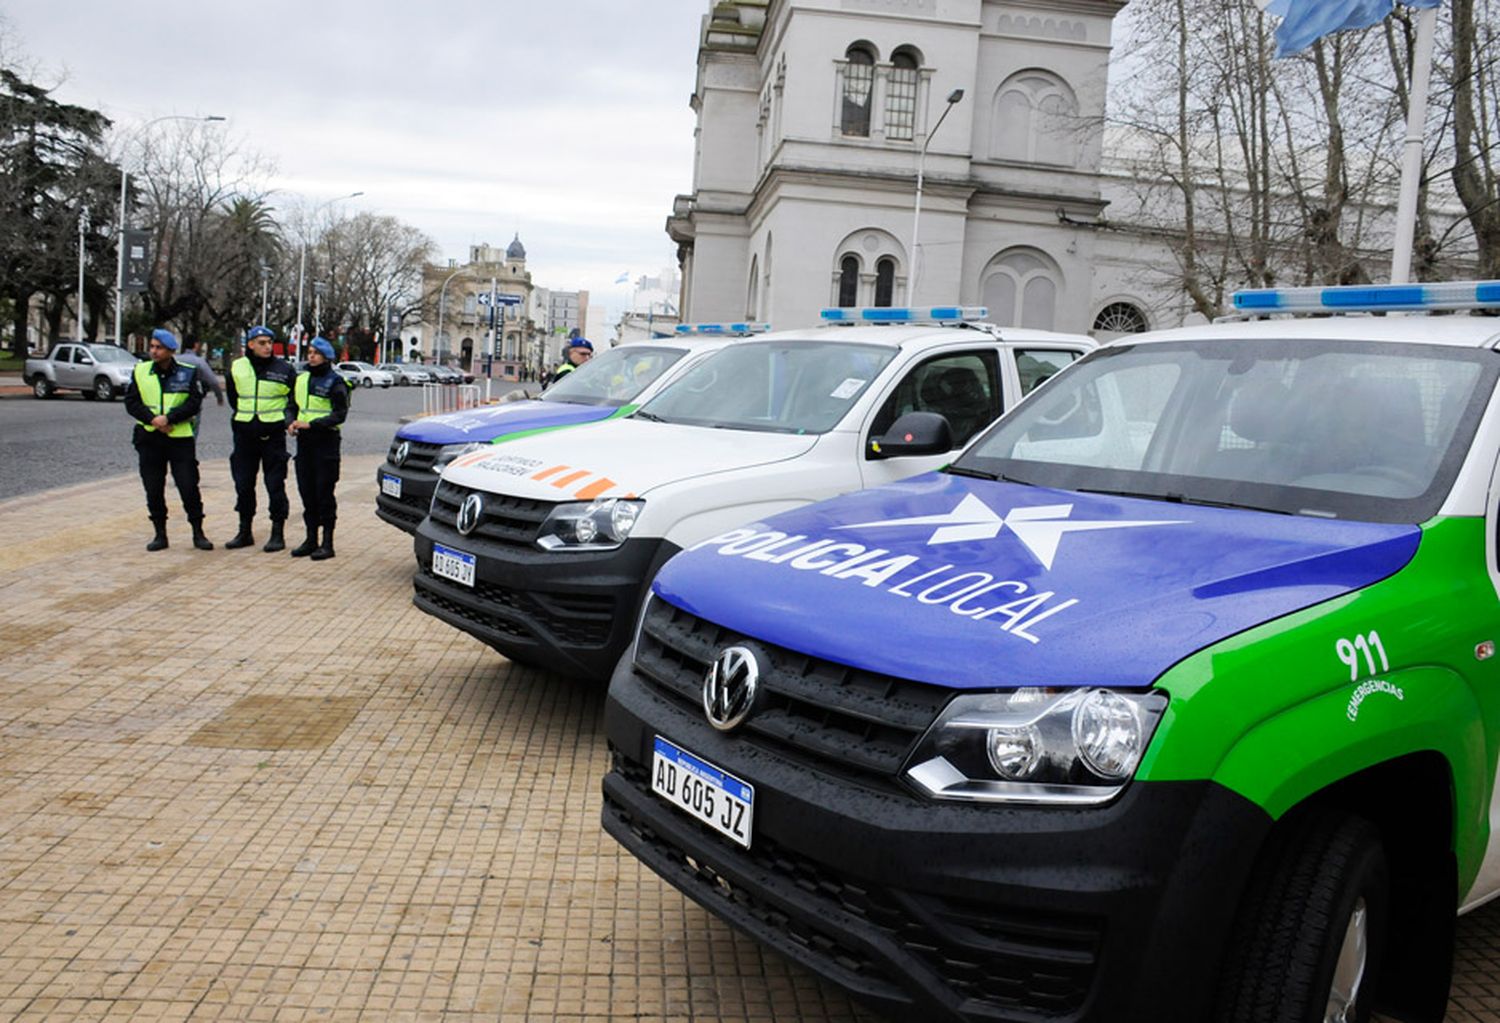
<point>484,299</point>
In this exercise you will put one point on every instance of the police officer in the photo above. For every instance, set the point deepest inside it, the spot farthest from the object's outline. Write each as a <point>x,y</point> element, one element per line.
<point>260,389</point>
<point>580,350</point>
<point>320,405</point>
<point>163,396</point>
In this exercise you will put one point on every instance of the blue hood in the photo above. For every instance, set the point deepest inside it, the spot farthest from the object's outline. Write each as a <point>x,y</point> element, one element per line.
<point>492,421</point>
<point>978,585</point>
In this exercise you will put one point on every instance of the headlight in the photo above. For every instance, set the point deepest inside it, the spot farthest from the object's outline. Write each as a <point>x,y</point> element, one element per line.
<point>448,452</point>
<point>1036,745</point>
<point>589,526</point>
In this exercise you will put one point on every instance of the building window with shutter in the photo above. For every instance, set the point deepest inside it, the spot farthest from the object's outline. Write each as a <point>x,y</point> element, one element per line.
<point>849,282</point>
<point>859,85</point>
<point>901,95</point>
<point>885,281</point>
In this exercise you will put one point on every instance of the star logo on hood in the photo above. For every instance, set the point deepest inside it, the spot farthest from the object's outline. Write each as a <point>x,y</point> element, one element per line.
<point>1041,528</point>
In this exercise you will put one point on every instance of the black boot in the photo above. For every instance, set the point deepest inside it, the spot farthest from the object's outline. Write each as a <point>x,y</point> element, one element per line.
<point>159,541</point>
<point>307,546</point>
<point>325,549</point>
<point>200,541</point>
<point>243,537</point>
<point>277,541</point>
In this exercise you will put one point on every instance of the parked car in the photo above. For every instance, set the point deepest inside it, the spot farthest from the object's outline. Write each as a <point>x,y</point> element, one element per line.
<point>445,374</point>
<point>543,546</point>
<point>1174,697</point>
<point>366,375</point>
<point>611,385</point>
<point>98,371</point>
<point>406,373</point>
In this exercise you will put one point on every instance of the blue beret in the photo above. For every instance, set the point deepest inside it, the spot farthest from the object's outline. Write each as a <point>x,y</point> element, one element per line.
<point>165,338</point>
<point>320,344</point>
<point>581,342</point>
<point>256,332</point>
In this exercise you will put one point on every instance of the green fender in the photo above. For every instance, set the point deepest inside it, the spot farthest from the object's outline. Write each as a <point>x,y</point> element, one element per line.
<point>623,410</point>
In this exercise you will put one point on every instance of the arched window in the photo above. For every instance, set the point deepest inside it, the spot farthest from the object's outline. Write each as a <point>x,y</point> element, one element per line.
<point>849,281</point>
<point>885,281</point>
<point>1120,318</point>
<point>1035,120</point>
<point>1020,287</point>
<point>752,291</point>
<point>901,94</point>
<point>859,82</point>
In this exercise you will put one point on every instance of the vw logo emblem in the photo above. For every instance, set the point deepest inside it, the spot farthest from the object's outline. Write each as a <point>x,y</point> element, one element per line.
<point>468,514</point>
<point>402,450</point>
<point>729,687</point>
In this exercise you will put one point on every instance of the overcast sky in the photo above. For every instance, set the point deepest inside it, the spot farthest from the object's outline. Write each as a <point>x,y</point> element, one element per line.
<point>565,120</point>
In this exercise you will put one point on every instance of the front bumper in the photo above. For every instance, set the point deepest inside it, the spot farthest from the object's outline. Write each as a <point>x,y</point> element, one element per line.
<point>408,510</point>
<point>573,613</point>
<point>944,910</point>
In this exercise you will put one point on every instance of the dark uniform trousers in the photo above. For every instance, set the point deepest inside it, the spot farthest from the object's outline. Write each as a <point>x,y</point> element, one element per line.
<point>260,446</point>
<point>317,473</point>
<point>157,452</point>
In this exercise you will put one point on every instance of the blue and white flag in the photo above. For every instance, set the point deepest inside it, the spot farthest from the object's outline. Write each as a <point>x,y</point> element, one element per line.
<point>1304,22</point>
<point>623,278</point>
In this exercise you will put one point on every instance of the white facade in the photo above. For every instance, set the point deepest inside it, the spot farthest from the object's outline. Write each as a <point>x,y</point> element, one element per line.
<point>812,119</point>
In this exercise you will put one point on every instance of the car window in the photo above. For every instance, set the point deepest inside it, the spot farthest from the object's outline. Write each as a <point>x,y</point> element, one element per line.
<point>1037,365</point>
<point>963,387</point>
<point>62,353</point>
<point>1363,430</point>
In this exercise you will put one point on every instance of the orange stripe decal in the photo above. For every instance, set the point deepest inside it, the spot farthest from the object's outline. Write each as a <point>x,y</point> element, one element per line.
<point>572,477</point>
<point>595,488</point>
<point>549,472</point>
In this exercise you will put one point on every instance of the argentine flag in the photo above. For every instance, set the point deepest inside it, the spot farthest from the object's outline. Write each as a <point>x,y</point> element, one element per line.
<point>1304,22</point>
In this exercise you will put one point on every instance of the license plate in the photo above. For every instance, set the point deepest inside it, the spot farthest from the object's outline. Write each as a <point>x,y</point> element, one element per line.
<point>701,790</point>
<point>390,485</point>
<point>452,564</point>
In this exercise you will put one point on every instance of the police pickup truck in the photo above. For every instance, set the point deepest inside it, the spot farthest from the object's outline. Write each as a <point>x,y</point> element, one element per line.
<point>611,384</point>
<point>543,547</point>
<point>1173,698</point>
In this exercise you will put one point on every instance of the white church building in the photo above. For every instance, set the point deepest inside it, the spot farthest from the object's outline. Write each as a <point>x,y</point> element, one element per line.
<point>815,118</point>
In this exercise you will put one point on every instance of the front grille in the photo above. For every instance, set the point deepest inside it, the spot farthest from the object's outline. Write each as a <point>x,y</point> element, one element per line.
<point>1005,958</point>
<point>509,521</point>
<point>578,619</point>
<point>405,508</point>
<point>420,455</point>
<point>812,710</point>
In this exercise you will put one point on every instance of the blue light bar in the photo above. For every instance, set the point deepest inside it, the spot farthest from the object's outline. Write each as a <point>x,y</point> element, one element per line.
<point>906,314</point>
<point>722,329</point>
<point>1370,298</point>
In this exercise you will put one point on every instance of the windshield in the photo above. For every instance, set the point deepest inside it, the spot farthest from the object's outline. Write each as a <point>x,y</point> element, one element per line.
<point>614,377</point>
<point>109,353</point>
<point>1352,430</point>
<point>775,386</point>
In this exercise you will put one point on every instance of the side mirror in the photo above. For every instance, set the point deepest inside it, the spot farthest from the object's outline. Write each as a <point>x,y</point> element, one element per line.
<point>916,433</point>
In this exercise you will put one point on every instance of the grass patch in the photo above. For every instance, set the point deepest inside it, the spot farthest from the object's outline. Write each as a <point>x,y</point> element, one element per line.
<point>11,363</point>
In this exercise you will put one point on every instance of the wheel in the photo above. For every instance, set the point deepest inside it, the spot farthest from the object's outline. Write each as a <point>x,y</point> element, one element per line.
<point>104,389</point>
<point>1311,932</point>
<point>42,387</point>
<point>367,382</point>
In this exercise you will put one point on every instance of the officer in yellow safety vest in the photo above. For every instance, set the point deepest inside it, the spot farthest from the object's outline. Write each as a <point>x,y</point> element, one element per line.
<point>260,391</point>
<point>320,405</point>
<point>162,397</point>
<point>578,351</point>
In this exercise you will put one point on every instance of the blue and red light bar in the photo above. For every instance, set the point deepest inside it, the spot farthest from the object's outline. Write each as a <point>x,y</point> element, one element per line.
<point>1371,298</point>
<point>722,329</point>
<point>906,314</point>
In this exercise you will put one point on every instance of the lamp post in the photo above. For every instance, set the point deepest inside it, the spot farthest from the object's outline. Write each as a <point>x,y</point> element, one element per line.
<point>124,177</point>
<point>916,213</point>
<point>438,346</point>
<point>302,267</point>
<point>265,287</point>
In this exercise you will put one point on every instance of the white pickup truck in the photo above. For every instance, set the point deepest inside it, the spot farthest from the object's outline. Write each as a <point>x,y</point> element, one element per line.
<point>98,370</point>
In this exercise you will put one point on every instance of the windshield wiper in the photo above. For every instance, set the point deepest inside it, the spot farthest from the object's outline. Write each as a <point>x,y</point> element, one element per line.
<point>980,474</point>
<point>1175,498</point>
<point>650,417</point>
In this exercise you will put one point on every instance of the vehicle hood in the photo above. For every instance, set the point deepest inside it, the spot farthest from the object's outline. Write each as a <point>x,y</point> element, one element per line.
<point>622,458</point>
<point>493,421</point>
<point>979,585</point>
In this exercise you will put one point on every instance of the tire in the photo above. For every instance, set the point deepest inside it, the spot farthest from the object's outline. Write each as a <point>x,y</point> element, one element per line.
<point>41,387</point>
<point>366,382</point>
<point>1320,886</point>
<point>104,389</point>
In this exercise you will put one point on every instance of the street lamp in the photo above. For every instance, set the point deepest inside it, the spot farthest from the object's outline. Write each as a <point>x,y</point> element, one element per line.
<point>124,175</point>
<point>442,297</point>
<point>302,268</point>
<point>265,286</point>
<point>916,213</point>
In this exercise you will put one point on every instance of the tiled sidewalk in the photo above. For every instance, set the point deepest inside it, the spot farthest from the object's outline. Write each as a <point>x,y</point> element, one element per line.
<point>237,786</point>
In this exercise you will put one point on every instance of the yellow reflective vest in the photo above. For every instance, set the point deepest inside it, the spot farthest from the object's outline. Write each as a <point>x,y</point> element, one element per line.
<point>164,398</point>
<point>259,398</point>
<point>312,395</point>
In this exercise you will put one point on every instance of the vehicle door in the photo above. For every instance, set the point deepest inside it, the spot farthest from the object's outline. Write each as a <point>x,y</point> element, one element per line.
<point>964,385</point>
<point>83,368</point>
<point>63,370</point>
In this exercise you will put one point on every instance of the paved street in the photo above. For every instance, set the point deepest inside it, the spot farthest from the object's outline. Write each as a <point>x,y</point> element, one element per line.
<point>235,786</point>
